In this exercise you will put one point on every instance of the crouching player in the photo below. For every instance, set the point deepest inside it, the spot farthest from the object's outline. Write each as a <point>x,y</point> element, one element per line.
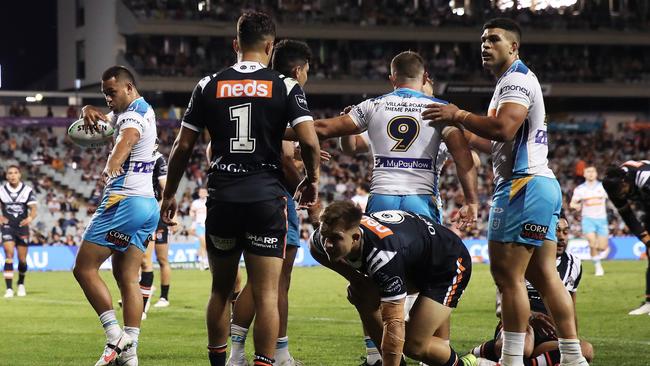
<point>396,252</point>
<point>541,344</point>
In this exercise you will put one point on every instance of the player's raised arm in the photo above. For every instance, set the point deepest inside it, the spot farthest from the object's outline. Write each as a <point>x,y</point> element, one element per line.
<point>466,172</point>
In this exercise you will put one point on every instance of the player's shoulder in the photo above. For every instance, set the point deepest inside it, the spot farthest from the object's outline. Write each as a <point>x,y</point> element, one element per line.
<point>138,109</point>
<point>519,72</point>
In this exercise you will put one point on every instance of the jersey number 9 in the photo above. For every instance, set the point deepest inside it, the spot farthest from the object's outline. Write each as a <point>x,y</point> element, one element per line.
<point>404,130</point>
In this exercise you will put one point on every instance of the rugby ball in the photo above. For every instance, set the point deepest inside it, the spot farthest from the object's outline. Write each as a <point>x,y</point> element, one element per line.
<point>85,138</point>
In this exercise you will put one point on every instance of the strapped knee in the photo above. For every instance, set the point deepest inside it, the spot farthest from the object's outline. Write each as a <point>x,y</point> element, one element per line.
<point>22,267</point>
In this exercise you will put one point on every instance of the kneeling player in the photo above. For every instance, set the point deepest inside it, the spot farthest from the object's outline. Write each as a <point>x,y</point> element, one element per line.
<point>541,345</point>
<point>398,250</point>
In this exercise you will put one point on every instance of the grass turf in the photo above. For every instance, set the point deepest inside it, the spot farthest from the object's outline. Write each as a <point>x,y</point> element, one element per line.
<point>54,325</point>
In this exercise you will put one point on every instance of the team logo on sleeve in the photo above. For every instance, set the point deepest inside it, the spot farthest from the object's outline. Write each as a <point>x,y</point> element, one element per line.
<point>534,231</point>
<point>302,101</point>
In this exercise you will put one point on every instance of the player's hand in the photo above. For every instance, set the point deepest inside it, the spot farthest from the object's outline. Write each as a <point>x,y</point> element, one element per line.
<point>439,113</point>
<point>90,116</point>
<point>313,214</point>
<point>26,221</point>
<point>325,156</point>
<point>306,194</point>
<point>111,170</point>
<point>168,211</point>
<point>645,238</point>
<point>466,216</point>
<point>346,110</point>
<point>543,323</point>
<point>3,220</point>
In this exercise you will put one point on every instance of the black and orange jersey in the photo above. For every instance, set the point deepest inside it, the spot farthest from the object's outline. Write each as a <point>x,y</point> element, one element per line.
<point>159,173</point>
<point>246,109</point>
<point>402,250</point>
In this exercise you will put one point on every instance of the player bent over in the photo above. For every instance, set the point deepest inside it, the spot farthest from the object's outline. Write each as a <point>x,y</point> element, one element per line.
<point>126,217</point>
<point>626,184</point>
<point>541,344</point>
<point>398,251</point>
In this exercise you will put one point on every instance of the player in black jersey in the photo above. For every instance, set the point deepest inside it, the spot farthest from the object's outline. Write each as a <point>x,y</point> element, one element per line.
<point>399,252</point>
<point>159,243</point>
<point>246,108</point>
<point>18,211</point>
<point>541,346</point>
<point>630,184</point>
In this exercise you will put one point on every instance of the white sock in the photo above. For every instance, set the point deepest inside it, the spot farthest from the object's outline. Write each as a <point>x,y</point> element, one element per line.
<point>596,260</point>
<point>570,350</point>
<point>372,353</point>
<point>111,325</point>
<point>512,353</point>
<point>238,340</point>
<point>134,333</point>
<point>282,350</point>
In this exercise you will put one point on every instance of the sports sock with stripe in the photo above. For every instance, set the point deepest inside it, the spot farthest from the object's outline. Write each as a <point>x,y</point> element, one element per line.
<point>372,352</point>
<point>261,360</point>
<point>9,273</point>
<point>570,350</point>
<point>217,355</point>
<point>550,358</point>
<point>22,269</point>
<point>111,325</point>
<point>146,280</point>
<point>238,341</point>
<point>512,353</point>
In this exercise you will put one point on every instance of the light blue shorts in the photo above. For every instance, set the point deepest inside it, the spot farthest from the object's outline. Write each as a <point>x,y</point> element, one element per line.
<point>199,229</point>
<point>525,210</point>
<point>293,223</point>
<point>598,226</point>
<point>423,204</point>
<point>121,221</point>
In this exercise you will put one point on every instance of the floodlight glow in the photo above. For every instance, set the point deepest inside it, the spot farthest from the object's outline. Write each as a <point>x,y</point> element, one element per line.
<point>534,4</point>
<point>30,99</point>
<point>38,97</point>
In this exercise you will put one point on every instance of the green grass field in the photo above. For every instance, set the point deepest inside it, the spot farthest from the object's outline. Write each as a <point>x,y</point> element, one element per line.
<point>54,325</point>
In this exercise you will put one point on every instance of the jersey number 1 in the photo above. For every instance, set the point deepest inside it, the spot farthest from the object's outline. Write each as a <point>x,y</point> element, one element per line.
<point>243,143</point>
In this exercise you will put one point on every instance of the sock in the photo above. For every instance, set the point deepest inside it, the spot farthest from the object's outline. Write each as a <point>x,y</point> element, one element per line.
<point>238,341</point>
<point>22,269</point>
<point>134,333</point>
<point>217,355</point>
<point>596,261</point>
<point>9,274</point>
<point>146,280</point>
<point>164,292</point>
<point>453,358</point>
<point>550,358</point>
<point>647,282</point>
<point>486,350</point>
<point>570,350</point>
<point>282,349</point>
<point>512,353</point>
<point>262,361</point>
<point>372,352</point>
<point>110,324</point>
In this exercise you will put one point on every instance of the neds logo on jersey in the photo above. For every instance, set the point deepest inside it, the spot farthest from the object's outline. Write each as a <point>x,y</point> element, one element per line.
<point>244,88</point>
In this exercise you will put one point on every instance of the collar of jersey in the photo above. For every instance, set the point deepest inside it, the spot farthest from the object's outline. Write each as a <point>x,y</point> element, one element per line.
<point>132,105</point>
<point>252,66</point>
<point>512,68</point>
<point>12,190</point>
<point>407,92</point>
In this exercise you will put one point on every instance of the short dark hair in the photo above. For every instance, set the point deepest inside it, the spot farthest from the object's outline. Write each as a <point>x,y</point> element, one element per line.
<point>340,213</point>
<point>289,53</point>
<point>407,65</point>
<point>13,166</point>
<point>504,23</point>
<point>614,177</point>
<point>252,27</point>
<point>118,72</point>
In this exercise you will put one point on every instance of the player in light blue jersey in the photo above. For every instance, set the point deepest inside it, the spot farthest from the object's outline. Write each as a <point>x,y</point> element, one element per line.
<point>527,198</point>
<point>127,217</point>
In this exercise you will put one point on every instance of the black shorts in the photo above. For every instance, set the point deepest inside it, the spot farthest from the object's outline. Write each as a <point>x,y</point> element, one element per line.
<point>446,284</point>
<point>256,227</point>
<point>19,235</point>
<point>162,233</point>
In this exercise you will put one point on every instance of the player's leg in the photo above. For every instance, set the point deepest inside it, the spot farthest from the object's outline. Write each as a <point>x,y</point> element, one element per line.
<point>590,235</point>
<point>146,278</point>
<point>602,238</point>
<point>427,316</point>
<point>162,256</point>
<point>542,274</point>
<point>8,272</point>
<point>645,305</point>
<point>22,249</point>
<point>203,257</point>
<point>548,354</point>
<point>243,313</point>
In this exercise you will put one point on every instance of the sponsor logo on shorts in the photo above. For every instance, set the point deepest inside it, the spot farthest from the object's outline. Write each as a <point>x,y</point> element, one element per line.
<point>223,243</point>
<point>263,241</point>
<point>244,88</point>
<point>118,238</point>
<point>534,231</point>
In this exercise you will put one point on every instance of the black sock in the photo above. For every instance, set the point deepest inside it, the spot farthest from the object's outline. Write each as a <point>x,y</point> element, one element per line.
<point>22,269</point>
<point>549,358</point>
<point>217,355</point>
<point>453,358</point>
<point>488,351</point>
<point>146,280</point>
<point>164,292</point>
<point>262,360</point>
<point>9,274</point>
